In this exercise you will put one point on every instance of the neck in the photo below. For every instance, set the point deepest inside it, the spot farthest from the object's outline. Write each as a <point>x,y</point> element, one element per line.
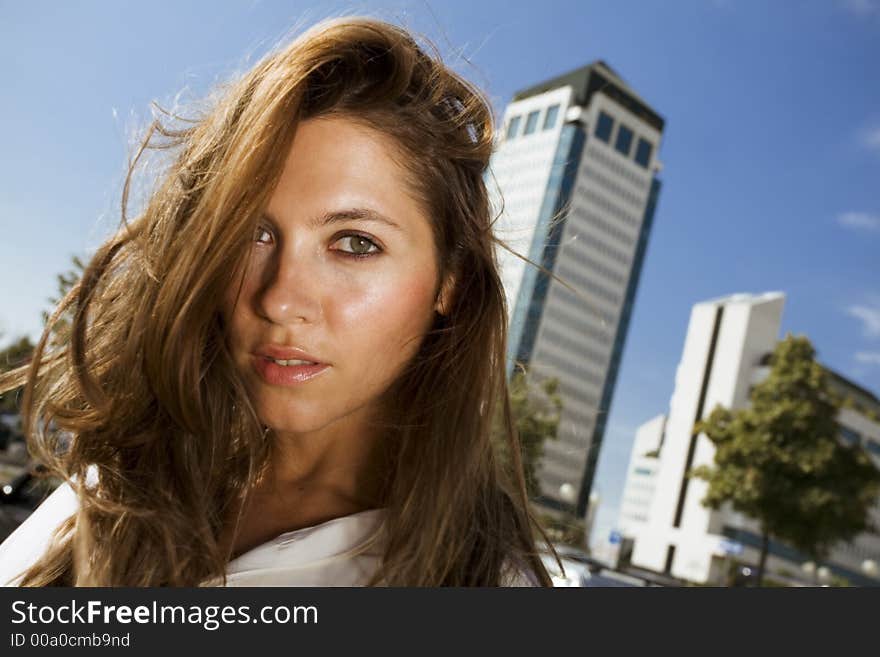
<point>311,478</point>
<point>340,465</point>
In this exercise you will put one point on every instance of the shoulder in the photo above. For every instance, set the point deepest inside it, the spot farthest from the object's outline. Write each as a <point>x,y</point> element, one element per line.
<point>31,539</point>
<point>516,572</point>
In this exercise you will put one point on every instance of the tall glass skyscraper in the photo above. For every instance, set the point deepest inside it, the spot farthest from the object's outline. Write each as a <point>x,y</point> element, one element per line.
<point>574,184</point>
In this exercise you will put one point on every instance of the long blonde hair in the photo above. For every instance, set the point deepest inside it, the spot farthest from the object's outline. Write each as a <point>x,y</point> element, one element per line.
<point>144,389</point>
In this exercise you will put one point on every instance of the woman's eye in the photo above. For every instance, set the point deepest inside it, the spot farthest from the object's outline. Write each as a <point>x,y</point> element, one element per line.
<point>357,245</point>
<point>262,235</point>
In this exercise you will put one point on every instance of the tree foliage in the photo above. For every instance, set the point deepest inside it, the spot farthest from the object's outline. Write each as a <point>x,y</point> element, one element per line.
<point>536,408</point>
<point>781,461</point>
<point>20,350</point>
<point>565,528</point>
<point>13,355</point>
<point>66,281</point>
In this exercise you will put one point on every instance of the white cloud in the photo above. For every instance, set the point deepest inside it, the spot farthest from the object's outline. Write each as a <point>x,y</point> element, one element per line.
<point>862,7</point>
<point>871,138</point>
<point>859,220</point>
<point>870,319</point>
<point>868,357</point>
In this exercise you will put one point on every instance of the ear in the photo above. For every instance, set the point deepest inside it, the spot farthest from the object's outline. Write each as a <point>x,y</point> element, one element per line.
<point>444,296</point>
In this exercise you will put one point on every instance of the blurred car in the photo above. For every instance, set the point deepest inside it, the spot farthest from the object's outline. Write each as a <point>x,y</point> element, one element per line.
<point>573,573</point>
<point>612,578</point>
<point>584,570</point>
<point>20,495</point>
<point>27,489</point>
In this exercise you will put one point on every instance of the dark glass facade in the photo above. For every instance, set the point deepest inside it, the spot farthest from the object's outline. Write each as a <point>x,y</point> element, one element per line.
<point>624,140</point>
<point>643,152</point>
<point>604,126</point>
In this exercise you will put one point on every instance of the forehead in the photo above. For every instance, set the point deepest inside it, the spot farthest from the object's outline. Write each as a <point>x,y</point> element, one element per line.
<point>336,163</point>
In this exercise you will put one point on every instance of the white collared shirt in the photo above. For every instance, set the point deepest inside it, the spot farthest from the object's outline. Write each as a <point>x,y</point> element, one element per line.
<point>338,552</point>
<point>334,553</point>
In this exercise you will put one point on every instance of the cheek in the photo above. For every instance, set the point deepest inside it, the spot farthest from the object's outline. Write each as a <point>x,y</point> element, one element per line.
<point>385,319</point>
<point>234,311</point>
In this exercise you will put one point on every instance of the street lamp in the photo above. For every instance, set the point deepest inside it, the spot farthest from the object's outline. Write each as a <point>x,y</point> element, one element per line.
<point>567,492</point>
<point>592,507</point>
<point>809,568</point>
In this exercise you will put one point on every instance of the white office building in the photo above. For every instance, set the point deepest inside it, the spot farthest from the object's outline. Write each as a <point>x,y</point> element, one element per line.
<point>574,185</point>
<point>665,527</point>
<point>641,476</point>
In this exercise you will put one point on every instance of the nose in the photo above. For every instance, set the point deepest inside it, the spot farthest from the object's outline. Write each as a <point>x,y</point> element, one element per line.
<point>290,290</point>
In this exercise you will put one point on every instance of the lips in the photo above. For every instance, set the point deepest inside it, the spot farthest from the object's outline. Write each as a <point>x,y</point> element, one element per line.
<point>265,363</point>
<point>281,352</point>
<point>286,375</point>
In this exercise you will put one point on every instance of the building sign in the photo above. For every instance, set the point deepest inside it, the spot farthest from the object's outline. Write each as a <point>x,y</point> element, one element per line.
<point>730,547</point>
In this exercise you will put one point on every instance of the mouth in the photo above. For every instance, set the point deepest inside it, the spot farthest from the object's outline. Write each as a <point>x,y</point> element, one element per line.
<point>287,372</point>
<point>291,362</point>
<point>285,355</point>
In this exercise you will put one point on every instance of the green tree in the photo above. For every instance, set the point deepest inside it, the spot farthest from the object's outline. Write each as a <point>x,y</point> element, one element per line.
<point>20,351</point>
<point>535,409</point>
<point>66,281</point>
<point>781,462</point>
<point>13,355</point>
<point>565,528</point>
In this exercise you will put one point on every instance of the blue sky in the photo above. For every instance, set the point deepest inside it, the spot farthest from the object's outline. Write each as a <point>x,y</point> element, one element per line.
<point>771,151</point>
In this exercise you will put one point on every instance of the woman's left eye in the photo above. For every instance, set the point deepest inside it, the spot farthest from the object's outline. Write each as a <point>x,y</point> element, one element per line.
<point>262,235</point>
<point>357,245</point>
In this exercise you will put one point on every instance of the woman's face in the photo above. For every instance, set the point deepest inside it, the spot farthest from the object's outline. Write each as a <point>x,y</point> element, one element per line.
<point>344,270</point>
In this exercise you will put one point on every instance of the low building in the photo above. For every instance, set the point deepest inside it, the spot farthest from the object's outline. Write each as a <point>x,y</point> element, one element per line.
<point>662,519</point>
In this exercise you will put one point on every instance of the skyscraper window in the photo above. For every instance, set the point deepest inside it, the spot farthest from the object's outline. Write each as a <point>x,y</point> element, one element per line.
<point>624,140</point>
<point>531,122</point>
<point>604,126</point>
<point>643,152</point>
<point>513,127</point>
<point>550,117</point>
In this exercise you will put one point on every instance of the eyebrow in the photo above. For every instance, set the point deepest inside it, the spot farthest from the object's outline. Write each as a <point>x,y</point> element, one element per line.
<point>349,214</point>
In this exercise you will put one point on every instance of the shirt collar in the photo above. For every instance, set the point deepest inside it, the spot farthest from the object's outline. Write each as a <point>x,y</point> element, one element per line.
<point>339,537</point>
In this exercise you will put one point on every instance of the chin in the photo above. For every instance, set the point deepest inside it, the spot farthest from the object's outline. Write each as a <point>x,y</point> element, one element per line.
<point>302,425</point>
<point>288,421</point>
